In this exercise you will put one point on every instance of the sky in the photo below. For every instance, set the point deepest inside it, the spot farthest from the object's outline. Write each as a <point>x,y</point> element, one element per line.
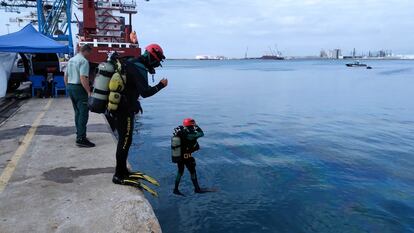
<point>186,28</point>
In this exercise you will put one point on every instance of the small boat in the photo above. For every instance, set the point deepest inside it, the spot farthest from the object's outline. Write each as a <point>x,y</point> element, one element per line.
<point>358,64</point>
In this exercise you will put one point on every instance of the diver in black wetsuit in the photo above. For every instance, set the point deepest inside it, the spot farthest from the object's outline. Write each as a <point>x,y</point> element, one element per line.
<point>188,133</point>
<point>136,70</point>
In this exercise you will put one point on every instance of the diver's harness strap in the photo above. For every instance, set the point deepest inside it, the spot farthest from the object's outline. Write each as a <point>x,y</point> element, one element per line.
<point>102,92</point>
<point>106,73</point>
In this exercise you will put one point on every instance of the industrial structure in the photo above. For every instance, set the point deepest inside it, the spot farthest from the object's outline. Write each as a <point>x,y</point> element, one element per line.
<point>104,28</point>
<point>103,25</point>
<point>53,17</point>
<point>332,54</point>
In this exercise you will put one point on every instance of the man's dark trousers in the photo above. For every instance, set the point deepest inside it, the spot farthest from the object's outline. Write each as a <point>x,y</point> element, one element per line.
<point>79,99</point>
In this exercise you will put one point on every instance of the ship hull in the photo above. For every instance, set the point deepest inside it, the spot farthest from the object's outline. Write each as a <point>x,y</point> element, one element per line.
<point>272,58</point>
<point>100,54</point>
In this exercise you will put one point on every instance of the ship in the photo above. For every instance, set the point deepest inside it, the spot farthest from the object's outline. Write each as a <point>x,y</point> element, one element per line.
<point>273,54</point>
<point>272,57</point>
<point>104,27</point>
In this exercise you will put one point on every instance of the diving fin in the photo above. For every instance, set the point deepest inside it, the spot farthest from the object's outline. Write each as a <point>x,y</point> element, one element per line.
<point>136,173</point>
<point>141,186</point>
<point>135,183</point>
<point>206,190</point>
<point>142,176</point>
<point>130,182</point>
<point>148,189</point>
<point>177,192</point>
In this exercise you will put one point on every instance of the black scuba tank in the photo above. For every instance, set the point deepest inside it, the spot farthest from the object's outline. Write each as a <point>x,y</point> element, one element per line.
<point>98,100</point>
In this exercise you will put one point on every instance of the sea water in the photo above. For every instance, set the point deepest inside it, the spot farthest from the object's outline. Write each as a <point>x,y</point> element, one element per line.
<point>291,146</point>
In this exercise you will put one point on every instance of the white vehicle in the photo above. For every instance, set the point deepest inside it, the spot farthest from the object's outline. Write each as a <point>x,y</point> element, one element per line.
<point>6,66</point>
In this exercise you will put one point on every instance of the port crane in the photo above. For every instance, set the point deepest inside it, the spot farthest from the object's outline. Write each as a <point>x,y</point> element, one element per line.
<point>53,17</point>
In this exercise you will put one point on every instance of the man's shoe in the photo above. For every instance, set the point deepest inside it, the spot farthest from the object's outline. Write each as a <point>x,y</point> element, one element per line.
<point>84,143</point>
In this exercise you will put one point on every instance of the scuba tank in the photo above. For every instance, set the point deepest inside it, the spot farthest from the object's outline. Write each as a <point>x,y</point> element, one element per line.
<point>116,86</point>
<point>175,149</point>
<point>98,100</point>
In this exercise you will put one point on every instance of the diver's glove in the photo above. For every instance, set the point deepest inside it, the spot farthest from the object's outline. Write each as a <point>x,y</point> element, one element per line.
<point>160,85</point>
<point>193,133</point>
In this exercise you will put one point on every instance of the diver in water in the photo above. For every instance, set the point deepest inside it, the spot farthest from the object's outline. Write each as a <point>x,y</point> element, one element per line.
<point>184,144</point>
<point>136,72</point>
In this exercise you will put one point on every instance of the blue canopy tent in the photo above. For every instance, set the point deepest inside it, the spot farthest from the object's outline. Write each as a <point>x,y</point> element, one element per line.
<point>29,40</point>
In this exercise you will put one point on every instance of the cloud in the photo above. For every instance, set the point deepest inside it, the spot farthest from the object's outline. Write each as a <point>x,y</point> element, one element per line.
<point>289,20</point>
<point>299,27</point>
<point>193,25</point>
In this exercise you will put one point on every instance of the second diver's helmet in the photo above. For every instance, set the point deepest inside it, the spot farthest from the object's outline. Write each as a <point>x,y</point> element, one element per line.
<point>189,122</point>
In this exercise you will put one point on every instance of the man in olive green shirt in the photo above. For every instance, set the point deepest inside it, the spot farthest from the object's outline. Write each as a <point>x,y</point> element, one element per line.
<point>77,82</point>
